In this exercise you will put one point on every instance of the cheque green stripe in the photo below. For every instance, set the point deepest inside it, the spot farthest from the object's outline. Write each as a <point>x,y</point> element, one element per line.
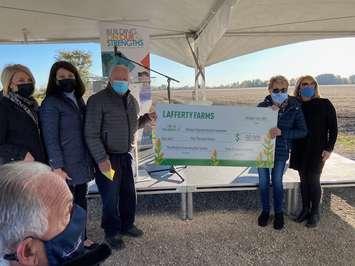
<point>209,162</point>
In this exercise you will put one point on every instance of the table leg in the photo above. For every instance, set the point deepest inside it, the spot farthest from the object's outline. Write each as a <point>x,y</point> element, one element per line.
<point>190,206</point>
<point>183,206</point>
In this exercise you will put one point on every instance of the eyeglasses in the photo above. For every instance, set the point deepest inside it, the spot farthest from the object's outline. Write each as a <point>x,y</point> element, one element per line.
<point>303,84</point>
<point>13,256</point>
<point>279,90</point>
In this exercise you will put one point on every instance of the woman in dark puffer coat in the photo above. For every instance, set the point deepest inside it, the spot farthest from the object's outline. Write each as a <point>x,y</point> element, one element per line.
<point>62,116</point>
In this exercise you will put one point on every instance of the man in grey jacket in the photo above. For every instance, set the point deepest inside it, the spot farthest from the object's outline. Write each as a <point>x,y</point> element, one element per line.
<point>111,123</point>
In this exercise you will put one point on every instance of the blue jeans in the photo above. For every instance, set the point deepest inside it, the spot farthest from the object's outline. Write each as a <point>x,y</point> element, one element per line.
<point>264,185</point>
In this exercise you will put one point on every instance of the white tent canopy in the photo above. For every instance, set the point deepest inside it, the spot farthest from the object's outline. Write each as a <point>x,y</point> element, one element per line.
<point>196,33</point>
<point>253,24</point>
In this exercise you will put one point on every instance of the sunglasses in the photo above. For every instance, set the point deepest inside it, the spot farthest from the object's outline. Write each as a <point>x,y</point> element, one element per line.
<point>279,90</point>
<point>307,84</point>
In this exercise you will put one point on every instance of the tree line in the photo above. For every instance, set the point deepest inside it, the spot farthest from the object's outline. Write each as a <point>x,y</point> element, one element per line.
<point>322,79</point>
<point>83,61</point>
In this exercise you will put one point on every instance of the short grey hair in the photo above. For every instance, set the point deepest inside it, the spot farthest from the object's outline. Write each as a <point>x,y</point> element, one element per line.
<point>22,212</point>
<point>118,66</point>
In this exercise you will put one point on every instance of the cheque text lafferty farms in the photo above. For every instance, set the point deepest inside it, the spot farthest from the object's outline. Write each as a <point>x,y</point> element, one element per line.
<point>188,115</point>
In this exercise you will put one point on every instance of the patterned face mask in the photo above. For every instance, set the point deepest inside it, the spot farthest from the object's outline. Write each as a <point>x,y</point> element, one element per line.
<point>279,98</point>
<point>68,244</point>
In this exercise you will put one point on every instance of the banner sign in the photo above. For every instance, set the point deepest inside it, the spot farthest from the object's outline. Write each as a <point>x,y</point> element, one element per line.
<point>133,43</point>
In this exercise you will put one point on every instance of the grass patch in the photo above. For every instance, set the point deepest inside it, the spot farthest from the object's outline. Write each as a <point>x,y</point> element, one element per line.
<point>346,142</point>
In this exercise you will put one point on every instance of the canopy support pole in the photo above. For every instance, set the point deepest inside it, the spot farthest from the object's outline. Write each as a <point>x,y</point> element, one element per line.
<point>200,78</point>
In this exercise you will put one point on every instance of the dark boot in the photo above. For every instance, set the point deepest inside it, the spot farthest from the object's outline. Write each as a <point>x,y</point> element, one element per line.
<point>279,221</point>
<point>133,232</point>
<point>263,219</point>
<point>304,215</point>
<point>313,220</point>
<point>115,242</point>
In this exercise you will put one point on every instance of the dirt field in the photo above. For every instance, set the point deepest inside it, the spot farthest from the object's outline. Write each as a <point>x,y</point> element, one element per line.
<point>343,98</point>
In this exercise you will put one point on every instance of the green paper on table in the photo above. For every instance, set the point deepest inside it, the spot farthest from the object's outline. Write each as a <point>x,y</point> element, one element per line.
<point>110,174</point>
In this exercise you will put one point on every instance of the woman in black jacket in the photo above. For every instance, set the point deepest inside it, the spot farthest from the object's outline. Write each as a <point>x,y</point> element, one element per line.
<point>19,128</point>
<point>310,153</point>
<point>62,117</point>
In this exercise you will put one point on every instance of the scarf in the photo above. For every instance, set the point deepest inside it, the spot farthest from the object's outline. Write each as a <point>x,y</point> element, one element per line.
<point>28,105</point>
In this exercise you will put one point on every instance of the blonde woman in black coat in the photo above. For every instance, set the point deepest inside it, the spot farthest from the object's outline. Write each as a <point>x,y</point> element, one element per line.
<point>20,139</point>
<point>309,154</point>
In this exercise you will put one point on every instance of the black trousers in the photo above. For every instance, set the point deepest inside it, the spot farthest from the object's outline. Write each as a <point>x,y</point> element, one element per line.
<point>79,193</point>
<point>118,196</point>
<point>311,190</point>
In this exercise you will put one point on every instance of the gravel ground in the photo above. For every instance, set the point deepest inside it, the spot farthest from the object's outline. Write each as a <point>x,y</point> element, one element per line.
<point>224,232</point>
<point>224,229</point>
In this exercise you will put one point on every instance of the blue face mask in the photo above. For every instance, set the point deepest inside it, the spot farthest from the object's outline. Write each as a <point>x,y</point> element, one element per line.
<point>307,91</point>
<point>70,242</point>
<point>66,246</point>
<point>279,98</point>
<point>120,86</point>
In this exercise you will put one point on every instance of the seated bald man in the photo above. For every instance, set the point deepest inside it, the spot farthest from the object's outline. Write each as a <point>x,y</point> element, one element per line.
<point>39,225</point>
<point>112,119</point>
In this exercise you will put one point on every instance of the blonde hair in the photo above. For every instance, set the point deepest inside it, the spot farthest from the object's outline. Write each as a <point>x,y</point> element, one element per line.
<point>277,79</point>
<point>298,86</point>
<point>9,72</point>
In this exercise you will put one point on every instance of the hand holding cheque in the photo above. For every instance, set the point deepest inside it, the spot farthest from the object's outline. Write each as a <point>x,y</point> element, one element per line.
<point>275,132</point>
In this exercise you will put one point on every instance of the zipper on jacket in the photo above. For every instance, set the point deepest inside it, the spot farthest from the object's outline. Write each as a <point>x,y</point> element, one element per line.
<point>106,140</point>
<point>128,123</point>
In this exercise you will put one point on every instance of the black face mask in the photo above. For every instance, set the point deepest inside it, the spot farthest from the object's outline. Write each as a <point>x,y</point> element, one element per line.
<point>25,90</point>
<point>67,85</point>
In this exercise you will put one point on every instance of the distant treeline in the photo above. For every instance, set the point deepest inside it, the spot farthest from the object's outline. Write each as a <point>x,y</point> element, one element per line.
<point>323,79</point>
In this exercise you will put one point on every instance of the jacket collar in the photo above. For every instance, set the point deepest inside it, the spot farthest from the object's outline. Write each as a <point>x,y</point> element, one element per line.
<point>80,102</point>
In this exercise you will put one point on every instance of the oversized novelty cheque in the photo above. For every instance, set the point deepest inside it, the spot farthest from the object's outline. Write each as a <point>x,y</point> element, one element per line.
<point>214,135</point>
